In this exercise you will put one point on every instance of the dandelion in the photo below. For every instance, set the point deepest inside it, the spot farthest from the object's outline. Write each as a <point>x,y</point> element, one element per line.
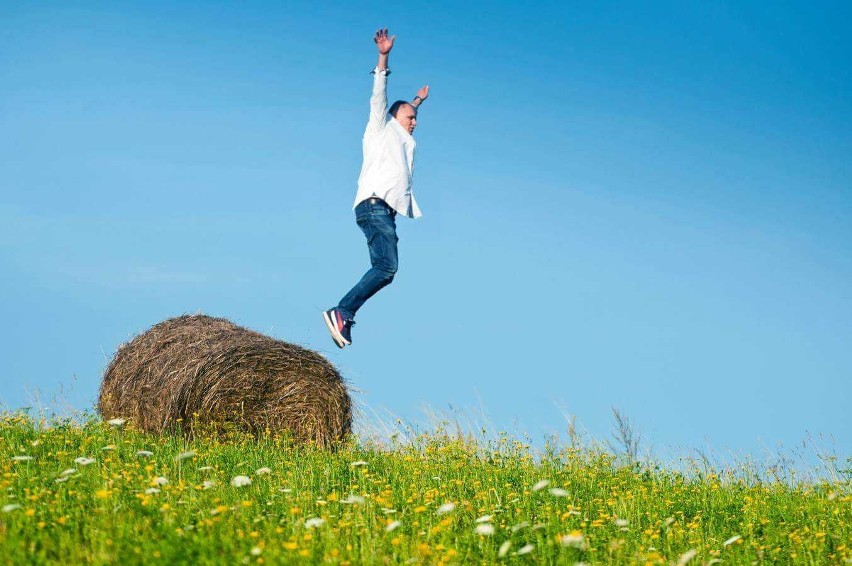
<point>240,481</point>
<point>207,484</point>
<point>353,500</point>
<point>731,540</point>
<point>116,422</point>
<point>574,539</point>
<point>262,471</point>
<point>84,461</point>
<point>144,453</point>
<point>10,507</point>
<point>686,557</point>
<point>160,481</point>
<point>185,455</point>
<point>358,463</point>
<point>445,508</point>
<point>526,549</point>
<point>519,526</point>
<point>484,529</point>
<point>484,519</point>
<point>392,526</point>
<point>314,522</point>
<point>151,491</point>
<point>541,484</point>
<point>21,458</point>
<point>557,492</point>
<point>504,548</point>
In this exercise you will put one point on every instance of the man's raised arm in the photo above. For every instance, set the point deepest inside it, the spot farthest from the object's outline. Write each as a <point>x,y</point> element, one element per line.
<point>379,99</point>
<point>421,97</point>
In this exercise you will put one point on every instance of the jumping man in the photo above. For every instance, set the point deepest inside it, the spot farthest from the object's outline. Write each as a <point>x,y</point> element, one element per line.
<point>384,190</point>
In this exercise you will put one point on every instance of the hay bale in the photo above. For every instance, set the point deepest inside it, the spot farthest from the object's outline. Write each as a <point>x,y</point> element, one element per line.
<point>197,369</point>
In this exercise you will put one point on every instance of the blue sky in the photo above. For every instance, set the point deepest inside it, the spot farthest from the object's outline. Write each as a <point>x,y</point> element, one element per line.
<point>641,206</point>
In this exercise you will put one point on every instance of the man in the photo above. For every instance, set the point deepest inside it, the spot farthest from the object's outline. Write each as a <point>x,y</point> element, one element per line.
<point>384,190</point>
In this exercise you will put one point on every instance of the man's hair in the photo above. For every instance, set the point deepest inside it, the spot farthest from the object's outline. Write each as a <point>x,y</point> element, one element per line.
<point>395,107</point>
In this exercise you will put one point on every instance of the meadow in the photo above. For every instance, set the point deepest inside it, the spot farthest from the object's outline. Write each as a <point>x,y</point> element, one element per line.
<point>92,492</point>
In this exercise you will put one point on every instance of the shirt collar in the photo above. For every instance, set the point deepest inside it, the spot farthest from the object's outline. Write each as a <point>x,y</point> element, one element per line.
<point>399,127</point>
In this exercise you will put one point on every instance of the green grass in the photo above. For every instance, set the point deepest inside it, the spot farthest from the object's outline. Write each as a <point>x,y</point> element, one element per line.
<point>420,502</point>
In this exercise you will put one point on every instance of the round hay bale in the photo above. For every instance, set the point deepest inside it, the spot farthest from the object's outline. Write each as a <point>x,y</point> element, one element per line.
<point>199,370</point>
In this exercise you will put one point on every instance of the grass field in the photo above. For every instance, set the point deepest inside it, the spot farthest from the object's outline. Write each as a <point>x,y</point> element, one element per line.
<point>97,493</point>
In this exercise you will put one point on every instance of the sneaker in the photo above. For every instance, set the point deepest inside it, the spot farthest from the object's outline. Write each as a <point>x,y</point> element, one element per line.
<point>339,327</point>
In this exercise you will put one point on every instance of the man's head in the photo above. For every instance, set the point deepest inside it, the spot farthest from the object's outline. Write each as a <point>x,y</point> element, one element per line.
<point>405,114</point>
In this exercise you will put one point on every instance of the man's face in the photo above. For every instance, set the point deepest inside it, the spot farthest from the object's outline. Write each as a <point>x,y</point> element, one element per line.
<point>406,115</point>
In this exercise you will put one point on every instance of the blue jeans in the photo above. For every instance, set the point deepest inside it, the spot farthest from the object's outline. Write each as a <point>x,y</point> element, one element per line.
<point>378,222</point>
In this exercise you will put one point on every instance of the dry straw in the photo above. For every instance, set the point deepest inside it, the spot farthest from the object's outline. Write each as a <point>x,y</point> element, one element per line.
<point>197,370</point>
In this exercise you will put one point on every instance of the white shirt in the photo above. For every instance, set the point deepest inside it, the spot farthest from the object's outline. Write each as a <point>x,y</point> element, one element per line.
<point>388,156</point>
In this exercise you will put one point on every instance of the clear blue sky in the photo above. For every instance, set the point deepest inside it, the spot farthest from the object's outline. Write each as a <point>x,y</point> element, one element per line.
<point>646,206</point>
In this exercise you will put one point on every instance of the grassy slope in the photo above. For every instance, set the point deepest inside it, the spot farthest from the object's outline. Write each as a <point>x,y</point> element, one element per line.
<point>592,511</point>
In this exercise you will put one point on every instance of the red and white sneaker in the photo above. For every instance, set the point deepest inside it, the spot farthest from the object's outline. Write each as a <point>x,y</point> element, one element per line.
<point>339,327</point>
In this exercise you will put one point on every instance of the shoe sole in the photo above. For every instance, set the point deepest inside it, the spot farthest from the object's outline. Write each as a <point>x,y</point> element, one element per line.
<point>332,328</point>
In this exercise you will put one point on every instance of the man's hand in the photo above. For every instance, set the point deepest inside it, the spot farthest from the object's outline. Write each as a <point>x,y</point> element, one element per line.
<point>384,43</point>
<point>423,93</point>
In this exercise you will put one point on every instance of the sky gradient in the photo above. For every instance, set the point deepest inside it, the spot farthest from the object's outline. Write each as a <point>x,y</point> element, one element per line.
<point>646,207</point>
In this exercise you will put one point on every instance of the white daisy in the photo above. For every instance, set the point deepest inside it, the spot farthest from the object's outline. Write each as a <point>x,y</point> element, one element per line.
<point>393,525</point>
<point>445,508</point>
<point>731,540</point>
<point>144,453</point>
<point>262,471</point>
<point>484,519</point>
<point>541,484</point>
<point>526,549</point>
<point>485,529</point>
<point>152,491</point>
<point>84,461</point>
<point>240,481</point>
<point>10,507</point>
<point>161,480</point>
<point>573,539</point>
<point>185,455</point>
<point>504,548</point>
<point>314,522</point>
<point>558,492</point>
<point>116,422</point>
<point>21,458</point>
<point>686,557</point>
<point>519,526</point>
